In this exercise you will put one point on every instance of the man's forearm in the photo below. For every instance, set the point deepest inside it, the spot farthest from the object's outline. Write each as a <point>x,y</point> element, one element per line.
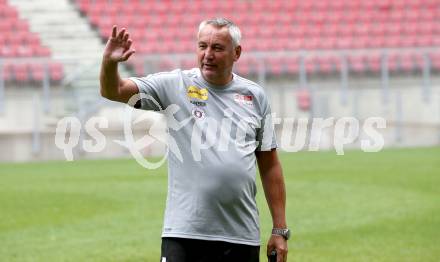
<point>275,191</point>
<point>109,79</point>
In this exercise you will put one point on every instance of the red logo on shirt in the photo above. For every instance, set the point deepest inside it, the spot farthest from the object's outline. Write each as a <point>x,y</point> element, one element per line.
<point>244,99</point>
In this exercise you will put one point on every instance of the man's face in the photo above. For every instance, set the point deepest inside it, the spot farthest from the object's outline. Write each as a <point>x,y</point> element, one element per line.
<point>216,54</point>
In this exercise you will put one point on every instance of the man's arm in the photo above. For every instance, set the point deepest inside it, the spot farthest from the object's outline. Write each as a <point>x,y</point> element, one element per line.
<point>117,49</point>
<point>273,184</point>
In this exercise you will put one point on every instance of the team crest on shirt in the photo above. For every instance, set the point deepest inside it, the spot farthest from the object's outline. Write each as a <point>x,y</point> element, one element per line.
<point>196,92</point>
<point>198,113</point>
<point>244,99</point>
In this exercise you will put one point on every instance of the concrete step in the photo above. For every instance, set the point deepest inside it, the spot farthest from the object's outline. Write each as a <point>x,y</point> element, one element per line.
<point>38,6</point>
<point>77,49</point>
<point>51,26</point>
<point>68,37</point>
<point>89,44</point>
<point>72,41</point>
<point>54,14</point>
<point>68,34</point>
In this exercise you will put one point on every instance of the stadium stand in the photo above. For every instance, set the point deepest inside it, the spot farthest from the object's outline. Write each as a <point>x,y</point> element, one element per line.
<point>159,27</point>
<point>366,59</point>
<point>18,44</point>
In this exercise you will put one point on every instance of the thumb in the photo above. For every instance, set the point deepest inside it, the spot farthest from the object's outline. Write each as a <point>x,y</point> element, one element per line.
<point>127,54</point>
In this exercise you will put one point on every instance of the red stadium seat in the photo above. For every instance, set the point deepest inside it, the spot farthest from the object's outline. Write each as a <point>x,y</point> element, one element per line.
<point>177,7</point>
<point>276,25</point>
<point>56,71</point>
<point>138,66</point>
<point>84,5</point>
<point>150,34</point>
<point>21,26</point>
<point>393,61</point>
<point>373,62</point>
<point>43,51</point>
<point>8,51</point>
<point>363,42</point>
<point>436,40</point>
<point>21,72</point>
<point>17,41</point>
<point>344,43</point>
<point>243,67</point>
<point>312,43</point>
<point>262,45</point>
<point>311,64</point>
<point>188,63</point>
<point>418,61</point>
<point>327,64</point>
<point>163,47</point>
<point>409,41</point>
<point>32,40</point>
<point>37,72</point>
<point>375,42</point>
<point>292,65</point>
<point>24,51</point>
<point>406,62</point>
<point>7,72</point>
<point>166,65</point>
<point>435,61</point>
<point>9,12</point>
<point>392,41</point>
<point>6,24</point>
<point>357,63</point>
<point>274,65</point>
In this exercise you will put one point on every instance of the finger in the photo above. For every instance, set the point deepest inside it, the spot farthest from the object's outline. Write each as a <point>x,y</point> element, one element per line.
<point>127,54</point>
<point>121,34</point>
<point>114,31</point>
<point>126,36</point>
<point>269,249</point>
<point>280,257</point>
<point>128,45</point>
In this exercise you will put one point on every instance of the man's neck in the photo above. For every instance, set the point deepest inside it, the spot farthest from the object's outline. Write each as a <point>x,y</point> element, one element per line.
<point>220,82</point>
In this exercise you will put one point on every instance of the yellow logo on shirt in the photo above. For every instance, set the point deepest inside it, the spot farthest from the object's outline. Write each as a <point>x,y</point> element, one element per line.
<point>199,93</point>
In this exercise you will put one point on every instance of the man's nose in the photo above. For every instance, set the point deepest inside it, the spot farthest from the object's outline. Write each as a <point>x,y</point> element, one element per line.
<point>209,54</point>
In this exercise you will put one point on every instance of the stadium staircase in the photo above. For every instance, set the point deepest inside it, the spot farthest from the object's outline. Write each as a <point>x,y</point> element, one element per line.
<point>73,42</point>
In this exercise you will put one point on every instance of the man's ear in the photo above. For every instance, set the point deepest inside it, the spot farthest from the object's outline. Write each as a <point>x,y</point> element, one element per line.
<point>237,53</point>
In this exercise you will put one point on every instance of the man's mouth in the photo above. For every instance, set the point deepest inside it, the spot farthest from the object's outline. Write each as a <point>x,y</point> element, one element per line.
<point>209,66</point>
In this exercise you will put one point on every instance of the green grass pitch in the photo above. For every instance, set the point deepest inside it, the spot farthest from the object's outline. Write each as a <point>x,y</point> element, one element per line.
<point>357,207</point>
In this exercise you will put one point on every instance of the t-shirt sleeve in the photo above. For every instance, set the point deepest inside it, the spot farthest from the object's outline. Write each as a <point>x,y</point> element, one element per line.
<point>266,137</point>
<point>155,90</point>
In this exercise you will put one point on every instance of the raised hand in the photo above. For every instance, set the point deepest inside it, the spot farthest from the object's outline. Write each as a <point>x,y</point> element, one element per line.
<point>118,47</point>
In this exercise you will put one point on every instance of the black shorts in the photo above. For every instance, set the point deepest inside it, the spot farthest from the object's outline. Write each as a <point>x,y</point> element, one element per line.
<point>193,250</point>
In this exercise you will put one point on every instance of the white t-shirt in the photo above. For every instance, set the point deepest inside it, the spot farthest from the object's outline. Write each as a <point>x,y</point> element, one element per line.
<point>214,132</point>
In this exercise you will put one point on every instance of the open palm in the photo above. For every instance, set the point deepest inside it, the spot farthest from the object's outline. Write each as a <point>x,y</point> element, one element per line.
<point>118,47</point>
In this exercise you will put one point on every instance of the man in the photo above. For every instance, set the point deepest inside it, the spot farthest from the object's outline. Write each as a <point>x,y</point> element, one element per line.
<point>225,127</point>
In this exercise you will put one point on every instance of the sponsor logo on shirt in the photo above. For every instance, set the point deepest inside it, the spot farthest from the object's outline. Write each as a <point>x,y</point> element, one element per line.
<point>198,113</point>
<point>198,103</point>
<point>199,93</point>
<point>244,99</point>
